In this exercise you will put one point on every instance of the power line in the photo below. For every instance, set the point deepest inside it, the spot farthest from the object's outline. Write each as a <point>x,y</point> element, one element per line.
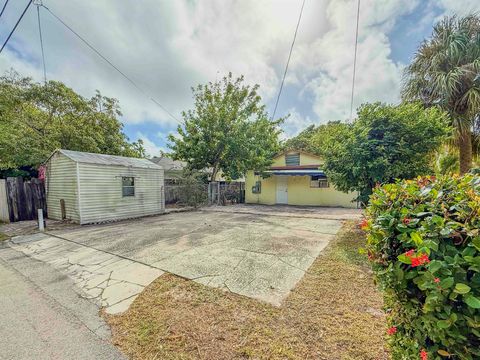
<point>354,63</point>
<point>3,8</point>
<point>288,60</point>
<point>112,65</point>
<point>41,41</point>
<point>15,27</point>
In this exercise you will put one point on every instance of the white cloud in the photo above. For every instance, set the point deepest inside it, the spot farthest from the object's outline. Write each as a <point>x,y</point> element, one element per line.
<point>329,58</point>
<point>169,46</point>
<point>150,147</point>
<point>459,7</point>
<point>294,124</point>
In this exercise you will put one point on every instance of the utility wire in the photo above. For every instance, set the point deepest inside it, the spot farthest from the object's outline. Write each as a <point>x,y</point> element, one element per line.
<point>41,43</point>
<point>15,27</point>
<point>354,63</point>
<point>3,8</point>
<point>112,65</point>
<point>288,60</point>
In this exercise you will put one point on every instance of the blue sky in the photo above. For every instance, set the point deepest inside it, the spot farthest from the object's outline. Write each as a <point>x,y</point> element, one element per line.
<point>170,45</point>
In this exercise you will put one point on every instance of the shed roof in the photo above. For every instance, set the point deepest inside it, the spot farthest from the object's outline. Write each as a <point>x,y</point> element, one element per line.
<point>103,159</point>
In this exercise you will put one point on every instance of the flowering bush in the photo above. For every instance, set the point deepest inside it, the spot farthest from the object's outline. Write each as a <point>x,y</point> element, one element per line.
<point>424,246</point>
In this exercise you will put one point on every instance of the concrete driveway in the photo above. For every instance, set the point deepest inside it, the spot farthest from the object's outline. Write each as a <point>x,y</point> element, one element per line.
<point>260,254</point>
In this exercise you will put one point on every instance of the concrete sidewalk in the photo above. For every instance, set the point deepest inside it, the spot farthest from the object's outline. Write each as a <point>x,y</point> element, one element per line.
<point>37,325</point>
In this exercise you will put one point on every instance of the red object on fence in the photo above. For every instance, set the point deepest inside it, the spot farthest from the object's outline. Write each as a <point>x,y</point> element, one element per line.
<point>41,172</point>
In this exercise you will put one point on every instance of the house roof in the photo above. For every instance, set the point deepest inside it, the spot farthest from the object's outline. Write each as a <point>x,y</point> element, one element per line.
<point>299,172</point>
<point>103,159</point>
<point>295,167</point>
<point>296,151</point>
<point>168,163</point>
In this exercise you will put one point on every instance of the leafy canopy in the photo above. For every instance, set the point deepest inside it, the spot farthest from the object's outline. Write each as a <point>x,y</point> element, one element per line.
<point>36,119</point>
<point>445,73</point>
<point>385,143</point>
<point>228,130</point>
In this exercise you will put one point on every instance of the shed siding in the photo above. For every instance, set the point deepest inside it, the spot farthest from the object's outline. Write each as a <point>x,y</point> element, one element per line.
<point>101,192</point>
<point>61,183</point>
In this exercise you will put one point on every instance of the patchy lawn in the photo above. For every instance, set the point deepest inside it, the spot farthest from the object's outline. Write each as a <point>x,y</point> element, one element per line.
<point>333,313</point>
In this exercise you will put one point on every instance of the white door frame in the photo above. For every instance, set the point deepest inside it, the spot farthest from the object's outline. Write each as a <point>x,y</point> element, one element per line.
<point>281,192</point>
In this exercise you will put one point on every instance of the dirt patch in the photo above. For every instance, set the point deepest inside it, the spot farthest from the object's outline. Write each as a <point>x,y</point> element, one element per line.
<point>334,312</point>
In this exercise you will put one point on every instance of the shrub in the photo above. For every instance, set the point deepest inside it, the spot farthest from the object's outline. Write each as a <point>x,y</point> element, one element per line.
<point>192,190</point>
<point>424,247</point>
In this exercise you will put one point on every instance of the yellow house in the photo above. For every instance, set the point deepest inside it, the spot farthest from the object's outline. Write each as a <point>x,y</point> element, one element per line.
<point>295,178</point>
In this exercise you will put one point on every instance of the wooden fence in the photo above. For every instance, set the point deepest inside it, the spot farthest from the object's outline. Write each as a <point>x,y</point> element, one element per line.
<point>24,198</point>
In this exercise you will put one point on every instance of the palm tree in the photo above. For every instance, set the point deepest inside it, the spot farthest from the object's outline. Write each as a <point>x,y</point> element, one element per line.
<point>445,72</point>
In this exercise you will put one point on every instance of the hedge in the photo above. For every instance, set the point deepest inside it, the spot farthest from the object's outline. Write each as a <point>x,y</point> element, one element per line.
<point>424,246</point>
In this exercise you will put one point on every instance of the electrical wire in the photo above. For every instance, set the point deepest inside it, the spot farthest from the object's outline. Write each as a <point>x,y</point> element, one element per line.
<point>41,45</point>
<point>111,64</point>
<point>288,60</point>
<point>3,8</point>
<point>354,63</point>
<point>15,27</point>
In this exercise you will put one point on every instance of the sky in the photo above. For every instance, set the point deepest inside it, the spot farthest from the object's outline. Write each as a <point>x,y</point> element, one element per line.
<point>168,46</point>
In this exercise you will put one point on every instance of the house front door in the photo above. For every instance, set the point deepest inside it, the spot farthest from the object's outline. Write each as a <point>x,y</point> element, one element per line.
<point>282,190</point>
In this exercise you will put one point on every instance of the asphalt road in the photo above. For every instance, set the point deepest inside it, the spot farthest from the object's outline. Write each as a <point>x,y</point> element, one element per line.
<point>43,317</point>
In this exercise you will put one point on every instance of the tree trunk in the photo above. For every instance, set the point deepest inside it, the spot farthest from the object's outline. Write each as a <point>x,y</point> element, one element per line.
<point>214,173</point>
<point>465,146</point>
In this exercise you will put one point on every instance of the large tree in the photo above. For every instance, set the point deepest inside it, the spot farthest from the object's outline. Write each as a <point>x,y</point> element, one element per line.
<point>385,143</point>
<point>446,72</point>
<point>35,119</point>
<point>228,130</point>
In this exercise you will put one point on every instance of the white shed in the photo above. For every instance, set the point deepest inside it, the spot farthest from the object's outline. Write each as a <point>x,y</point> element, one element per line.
<point>88,188</point>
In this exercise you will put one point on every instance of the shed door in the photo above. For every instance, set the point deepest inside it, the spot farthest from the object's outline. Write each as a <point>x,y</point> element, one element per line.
<point>282,190</point>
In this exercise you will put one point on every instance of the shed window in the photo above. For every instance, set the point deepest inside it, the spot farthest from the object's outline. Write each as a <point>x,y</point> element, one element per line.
<point>128,186</point>
<point>292,159</point>
<point>318,182</point>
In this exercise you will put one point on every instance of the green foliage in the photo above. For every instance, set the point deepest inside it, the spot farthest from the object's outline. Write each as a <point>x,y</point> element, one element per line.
<point>192,189</point>
<point>36,119</point>
<point>444,73</point>
<point>312,138</point>
<point>385,143</point>
<point>304,141</point>
<point>228,130</point>
<point>424,246</point>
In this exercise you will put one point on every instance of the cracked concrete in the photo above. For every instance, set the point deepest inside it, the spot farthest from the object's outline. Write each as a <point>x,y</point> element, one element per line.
<point>108,280</point>
<point>260,255</point>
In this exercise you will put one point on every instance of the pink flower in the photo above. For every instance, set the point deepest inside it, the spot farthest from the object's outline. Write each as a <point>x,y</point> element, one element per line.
<point>423,355</point>
<point>392,330</point>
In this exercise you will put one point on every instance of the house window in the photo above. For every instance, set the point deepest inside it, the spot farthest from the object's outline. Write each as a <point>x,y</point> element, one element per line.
<point>292,159</point>
<point>257,188</point>
<point>128,186</point>
<point>318,182</point>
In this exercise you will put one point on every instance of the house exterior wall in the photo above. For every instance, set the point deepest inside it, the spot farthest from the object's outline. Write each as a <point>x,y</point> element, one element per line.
<point>101,197</point>
<point>300,193</point>
<point>299,190</point>
<point>305,159</point>
<point>268,194</point>
<point>61,183</point>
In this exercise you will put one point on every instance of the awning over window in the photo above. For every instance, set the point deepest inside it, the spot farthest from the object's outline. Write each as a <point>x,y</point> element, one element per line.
<point>299,172</point>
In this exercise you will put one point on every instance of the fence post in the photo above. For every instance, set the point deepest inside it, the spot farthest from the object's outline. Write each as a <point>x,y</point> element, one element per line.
<point>4,212</point>
<point>209,194</point>
<point>218,192</point>
<point>41,224</point>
